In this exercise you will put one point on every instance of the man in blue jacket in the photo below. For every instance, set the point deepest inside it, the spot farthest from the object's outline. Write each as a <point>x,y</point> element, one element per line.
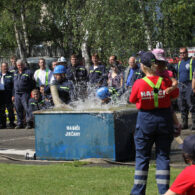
<point>185,70</point>
<point>23,85</point>
<point>132,73</point>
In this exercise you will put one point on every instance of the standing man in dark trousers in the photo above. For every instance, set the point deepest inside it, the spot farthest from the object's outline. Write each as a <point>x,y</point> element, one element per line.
<point>23,85</point>
<point>6,88</point>
<point>185,70</point>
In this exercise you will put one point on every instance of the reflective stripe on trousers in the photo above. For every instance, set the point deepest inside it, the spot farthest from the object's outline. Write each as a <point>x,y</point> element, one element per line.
<point>152,127</point>
<point>162,179</point>
<point>140,180</point>
<point>140,177</point>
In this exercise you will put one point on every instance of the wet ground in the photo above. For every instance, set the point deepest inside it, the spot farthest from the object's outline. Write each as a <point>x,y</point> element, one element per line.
<point>17,144</point>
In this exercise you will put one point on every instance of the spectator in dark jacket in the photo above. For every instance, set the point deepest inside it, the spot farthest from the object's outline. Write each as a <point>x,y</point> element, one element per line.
<point>23,85</point>
<point>35,103</point>
<point>77,73</point>
<point>6,93</point>
<point>97,73</point>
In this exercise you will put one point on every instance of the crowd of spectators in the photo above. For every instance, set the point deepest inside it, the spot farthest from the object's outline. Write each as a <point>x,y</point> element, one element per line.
<point>25,91</point>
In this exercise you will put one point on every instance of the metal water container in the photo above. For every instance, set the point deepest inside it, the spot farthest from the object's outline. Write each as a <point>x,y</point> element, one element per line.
<point>74,135</point>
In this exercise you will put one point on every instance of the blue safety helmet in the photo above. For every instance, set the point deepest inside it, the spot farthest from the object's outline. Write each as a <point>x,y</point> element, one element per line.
<point>103,93</point>
<point>59,69</point>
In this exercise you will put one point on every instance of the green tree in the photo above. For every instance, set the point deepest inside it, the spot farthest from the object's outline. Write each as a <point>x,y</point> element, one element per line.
<point>176,23</point>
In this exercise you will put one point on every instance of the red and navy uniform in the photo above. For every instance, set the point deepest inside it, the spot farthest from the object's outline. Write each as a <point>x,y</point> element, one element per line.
<point>142,94</point>
<point>154,125</point>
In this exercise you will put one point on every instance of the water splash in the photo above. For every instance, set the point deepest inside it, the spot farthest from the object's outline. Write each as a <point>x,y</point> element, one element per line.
<point>92,102</point>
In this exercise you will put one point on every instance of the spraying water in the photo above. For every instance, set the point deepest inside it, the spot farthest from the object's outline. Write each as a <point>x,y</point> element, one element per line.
<point>91,102</point>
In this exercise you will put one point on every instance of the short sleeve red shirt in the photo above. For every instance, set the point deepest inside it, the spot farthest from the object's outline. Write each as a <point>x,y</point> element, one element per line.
<point>185,182</point>
<point>143,96</point>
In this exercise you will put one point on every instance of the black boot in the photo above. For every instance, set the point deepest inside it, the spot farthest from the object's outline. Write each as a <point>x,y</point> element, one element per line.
<point>28,125</point>
<point>184,122</point>
<point>193,122</point>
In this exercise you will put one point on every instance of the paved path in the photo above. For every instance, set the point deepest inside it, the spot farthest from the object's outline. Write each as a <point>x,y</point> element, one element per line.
<point>16,143</point>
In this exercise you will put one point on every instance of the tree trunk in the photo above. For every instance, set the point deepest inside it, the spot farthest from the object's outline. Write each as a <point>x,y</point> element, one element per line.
<point>84,50</point>
<point>147,32</point>
<point>70,45</point>
<point>18,40</point>
<point>25,34</point>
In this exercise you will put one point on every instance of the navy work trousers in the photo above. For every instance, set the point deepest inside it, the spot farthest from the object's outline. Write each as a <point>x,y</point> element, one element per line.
<point>155,126</point>
<point>184,100</point>
<point>21,105</point>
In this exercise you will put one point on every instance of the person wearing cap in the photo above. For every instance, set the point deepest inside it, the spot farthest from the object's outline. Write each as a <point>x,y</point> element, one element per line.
<point>65,87</point>
<point>162,68</point>
<point>185,69</point>
<point>154,125</point>
<point>43,75</point>
<point>163,72</point>
<point>62,61</point>
<point>185,181</point>
<point>132,73</point>
<point>106,94</point>
<point>139,54</point>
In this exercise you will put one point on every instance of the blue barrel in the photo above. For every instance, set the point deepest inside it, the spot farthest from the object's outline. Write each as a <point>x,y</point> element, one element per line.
<point>74,135</point>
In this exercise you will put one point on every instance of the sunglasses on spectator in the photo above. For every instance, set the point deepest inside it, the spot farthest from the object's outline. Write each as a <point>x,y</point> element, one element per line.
<point>183,52</point>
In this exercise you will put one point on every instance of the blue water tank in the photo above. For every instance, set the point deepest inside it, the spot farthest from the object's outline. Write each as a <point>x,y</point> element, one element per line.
<point>74,135</point>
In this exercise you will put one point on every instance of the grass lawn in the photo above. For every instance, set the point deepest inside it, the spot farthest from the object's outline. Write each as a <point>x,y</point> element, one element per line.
<point>72,179</point>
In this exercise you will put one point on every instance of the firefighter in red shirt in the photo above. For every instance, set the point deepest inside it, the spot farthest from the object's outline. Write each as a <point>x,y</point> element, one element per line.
<point>154,125</point>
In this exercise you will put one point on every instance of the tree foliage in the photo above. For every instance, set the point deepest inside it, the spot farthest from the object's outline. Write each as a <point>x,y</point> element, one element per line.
<point>112,27</point>
<point>176,23</point>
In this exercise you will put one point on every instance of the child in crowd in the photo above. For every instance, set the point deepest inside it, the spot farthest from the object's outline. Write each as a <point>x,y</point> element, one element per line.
<point>35,103</point>
<point>185,182</point>
<point>163,72</point>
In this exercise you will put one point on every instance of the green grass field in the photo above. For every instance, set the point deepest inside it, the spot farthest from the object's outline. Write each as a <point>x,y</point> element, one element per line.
<point>72,179</point>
